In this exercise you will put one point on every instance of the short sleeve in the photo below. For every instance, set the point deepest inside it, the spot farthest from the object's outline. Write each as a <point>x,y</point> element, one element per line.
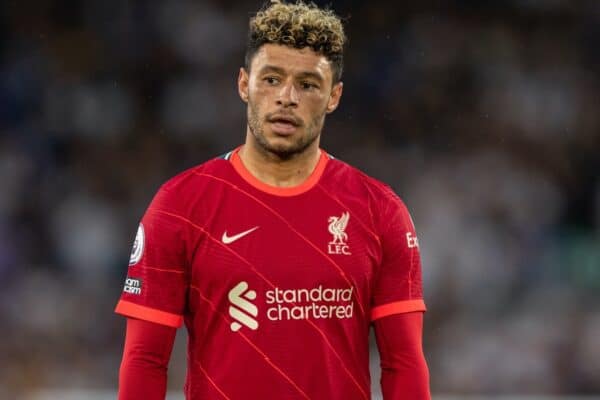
<point>156,284</point>
<point>398,284</point>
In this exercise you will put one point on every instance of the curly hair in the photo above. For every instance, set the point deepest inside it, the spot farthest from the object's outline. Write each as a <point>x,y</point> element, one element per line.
<point>298,25</point>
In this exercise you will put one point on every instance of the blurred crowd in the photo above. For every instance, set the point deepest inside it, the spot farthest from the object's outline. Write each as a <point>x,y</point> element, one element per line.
<point>483,116</point>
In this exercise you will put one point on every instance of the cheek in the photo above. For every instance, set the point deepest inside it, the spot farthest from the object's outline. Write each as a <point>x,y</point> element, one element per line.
<point>257,90</point>
<point>259,97</point>
<point>318,105</point>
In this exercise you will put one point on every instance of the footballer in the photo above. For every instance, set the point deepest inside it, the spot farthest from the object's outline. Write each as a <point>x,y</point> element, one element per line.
<point>277,257</point>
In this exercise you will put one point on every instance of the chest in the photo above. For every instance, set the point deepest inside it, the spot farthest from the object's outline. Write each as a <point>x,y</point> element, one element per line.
<point>287,244</point>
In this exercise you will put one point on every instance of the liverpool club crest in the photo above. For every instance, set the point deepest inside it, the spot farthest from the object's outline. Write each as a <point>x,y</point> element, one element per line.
<point>337,227</point>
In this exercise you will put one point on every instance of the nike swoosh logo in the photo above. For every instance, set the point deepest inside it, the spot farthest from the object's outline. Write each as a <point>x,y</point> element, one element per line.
<point>230,239</point>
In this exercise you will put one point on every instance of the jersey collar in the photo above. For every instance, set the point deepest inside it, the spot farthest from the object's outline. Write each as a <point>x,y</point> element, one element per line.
<point>305,186</point>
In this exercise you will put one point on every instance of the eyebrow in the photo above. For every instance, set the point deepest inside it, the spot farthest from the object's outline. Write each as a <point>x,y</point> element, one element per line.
<point>303,74</point>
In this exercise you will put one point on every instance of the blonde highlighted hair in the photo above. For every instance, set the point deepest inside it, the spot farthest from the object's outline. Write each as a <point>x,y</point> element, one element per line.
<point>298,25</point>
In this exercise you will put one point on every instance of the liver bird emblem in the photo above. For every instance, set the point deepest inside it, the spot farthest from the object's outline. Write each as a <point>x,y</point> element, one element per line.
<point>337,227</point>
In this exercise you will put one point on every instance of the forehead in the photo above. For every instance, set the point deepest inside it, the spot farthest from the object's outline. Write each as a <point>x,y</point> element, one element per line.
<point>291,60</point>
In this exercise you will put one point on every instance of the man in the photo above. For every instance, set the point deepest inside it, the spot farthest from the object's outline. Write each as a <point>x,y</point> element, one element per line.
<point>276,256</point>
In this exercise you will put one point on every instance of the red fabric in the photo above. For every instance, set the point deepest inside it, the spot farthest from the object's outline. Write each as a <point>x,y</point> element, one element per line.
<point>143,373</point>
<point>404,372</point>
<point>282,311</point>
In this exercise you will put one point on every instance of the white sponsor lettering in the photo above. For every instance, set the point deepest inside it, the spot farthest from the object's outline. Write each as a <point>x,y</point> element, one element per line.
<point>295,304</point>
<point>312,311</point>
<point>411,240</point>
<point>133,286</point>
<point>289,304</point>
<point>317,294</point>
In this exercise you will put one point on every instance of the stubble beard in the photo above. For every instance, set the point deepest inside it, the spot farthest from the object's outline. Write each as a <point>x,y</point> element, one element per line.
<point>283,152</point>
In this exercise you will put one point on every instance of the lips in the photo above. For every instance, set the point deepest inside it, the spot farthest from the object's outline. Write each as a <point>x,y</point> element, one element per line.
<point>284,124</point>
<point>283,128</point>
<point>285,119</point>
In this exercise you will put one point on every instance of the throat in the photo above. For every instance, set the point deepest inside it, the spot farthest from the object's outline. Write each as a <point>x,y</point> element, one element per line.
<point>277,172</point>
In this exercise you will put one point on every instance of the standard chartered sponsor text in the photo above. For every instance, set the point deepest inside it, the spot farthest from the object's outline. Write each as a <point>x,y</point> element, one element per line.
<point>316,303</point>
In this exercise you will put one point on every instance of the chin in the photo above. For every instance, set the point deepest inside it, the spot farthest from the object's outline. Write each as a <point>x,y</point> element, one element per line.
<point>284,147</point>
<point>280,148</point>
<point>283,151</point>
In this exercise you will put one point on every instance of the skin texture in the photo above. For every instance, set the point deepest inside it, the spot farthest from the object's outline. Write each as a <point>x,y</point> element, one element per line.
<point>296,84</point>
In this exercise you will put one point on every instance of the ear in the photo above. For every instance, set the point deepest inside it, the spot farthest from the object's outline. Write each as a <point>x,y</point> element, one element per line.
<point>243,85</point>
<point>334,97</point>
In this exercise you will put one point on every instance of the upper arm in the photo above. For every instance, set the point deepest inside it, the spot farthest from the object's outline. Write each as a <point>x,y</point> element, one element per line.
<point>398,283</point>
<point>157,278</point>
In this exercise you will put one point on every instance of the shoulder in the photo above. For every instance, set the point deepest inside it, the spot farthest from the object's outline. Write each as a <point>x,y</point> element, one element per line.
<point>191,187</point>
<point>189,180</point>
<point>358,181</point>
<point>385,207</point>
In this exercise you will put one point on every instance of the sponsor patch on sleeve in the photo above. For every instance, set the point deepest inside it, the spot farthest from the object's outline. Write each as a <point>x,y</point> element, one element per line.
<point>138,246</point>
<point>133,286</point>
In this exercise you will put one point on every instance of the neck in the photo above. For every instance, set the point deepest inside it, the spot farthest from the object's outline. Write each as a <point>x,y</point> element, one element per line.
<point>272,170</point>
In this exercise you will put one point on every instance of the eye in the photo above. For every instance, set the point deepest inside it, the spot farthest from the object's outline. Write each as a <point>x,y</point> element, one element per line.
<point>308,85</point>
<point>271,80</point>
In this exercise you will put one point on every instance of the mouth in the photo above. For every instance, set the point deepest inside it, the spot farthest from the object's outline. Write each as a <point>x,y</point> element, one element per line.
<point>284,125</point>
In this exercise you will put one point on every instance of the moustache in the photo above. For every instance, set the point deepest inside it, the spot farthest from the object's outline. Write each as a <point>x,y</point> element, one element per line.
<point>287,118</point>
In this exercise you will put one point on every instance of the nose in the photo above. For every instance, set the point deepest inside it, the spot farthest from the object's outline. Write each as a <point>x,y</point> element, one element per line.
<point>288,95</point>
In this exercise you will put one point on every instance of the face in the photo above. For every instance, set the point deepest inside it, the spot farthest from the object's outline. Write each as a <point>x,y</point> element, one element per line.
<point>288,91</point>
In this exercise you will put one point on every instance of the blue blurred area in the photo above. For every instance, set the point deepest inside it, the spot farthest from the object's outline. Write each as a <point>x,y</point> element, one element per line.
<point>484,116</point>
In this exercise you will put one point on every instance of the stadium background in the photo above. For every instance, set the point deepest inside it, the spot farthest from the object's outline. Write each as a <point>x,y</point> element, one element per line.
<point>483,115</point>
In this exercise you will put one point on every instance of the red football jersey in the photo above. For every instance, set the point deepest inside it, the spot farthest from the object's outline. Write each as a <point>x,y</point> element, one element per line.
<point>277,286</point>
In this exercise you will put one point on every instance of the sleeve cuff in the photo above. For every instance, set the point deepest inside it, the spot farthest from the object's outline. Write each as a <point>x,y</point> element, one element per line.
<point>397,307</point>
<point>129,309</point>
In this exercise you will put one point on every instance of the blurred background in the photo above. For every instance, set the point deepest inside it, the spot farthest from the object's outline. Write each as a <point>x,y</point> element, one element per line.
<point>483,115</point>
